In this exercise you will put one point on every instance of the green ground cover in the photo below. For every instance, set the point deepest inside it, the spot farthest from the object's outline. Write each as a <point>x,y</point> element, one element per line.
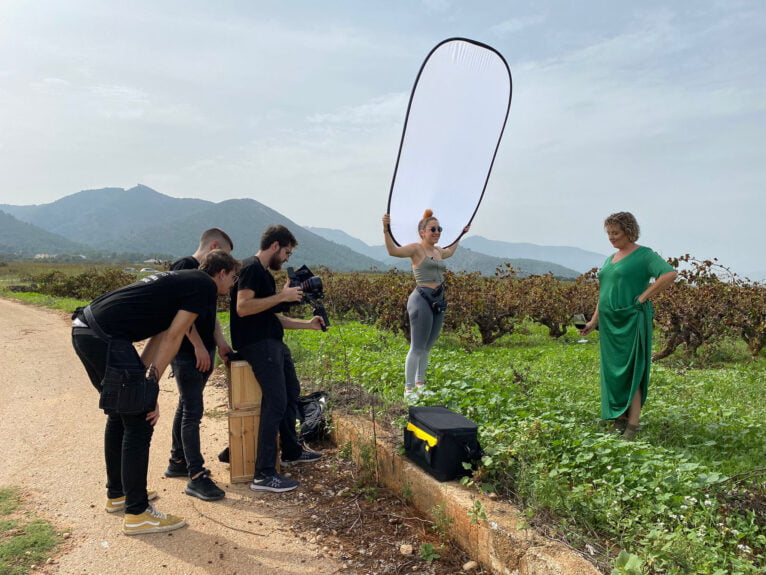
<point>24,540</point>
<point>686,497</point>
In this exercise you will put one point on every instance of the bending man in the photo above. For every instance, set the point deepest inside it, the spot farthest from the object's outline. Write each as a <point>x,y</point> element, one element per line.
<point>163,307</point>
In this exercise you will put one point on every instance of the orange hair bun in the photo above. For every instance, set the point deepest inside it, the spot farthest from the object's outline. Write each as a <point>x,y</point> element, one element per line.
<point>427,214</point>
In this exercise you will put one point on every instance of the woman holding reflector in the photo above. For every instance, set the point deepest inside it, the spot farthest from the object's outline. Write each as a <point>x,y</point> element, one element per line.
<point>426,304</point>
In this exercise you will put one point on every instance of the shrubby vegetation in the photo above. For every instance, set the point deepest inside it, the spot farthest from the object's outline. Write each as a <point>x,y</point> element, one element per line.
<point>708,304</point>
<point>87,285</point>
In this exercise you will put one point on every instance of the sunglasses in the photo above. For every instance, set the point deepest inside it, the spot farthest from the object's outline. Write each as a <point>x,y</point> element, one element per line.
<point>434,229</point>
<point>235,278</point>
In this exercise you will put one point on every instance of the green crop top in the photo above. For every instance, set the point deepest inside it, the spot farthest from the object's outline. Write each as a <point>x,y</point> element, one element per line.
<point>430,271</point>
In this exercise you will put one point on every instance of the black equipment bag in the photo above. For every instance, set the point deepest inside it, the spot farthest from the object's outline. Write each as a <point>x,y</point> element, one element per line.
<point>311,412</point>
<point>440,441</point>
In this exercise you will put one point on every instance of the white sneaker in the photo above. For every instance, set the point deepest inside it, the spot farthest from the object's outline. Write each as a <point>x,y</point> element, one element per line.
<point>422,391</point>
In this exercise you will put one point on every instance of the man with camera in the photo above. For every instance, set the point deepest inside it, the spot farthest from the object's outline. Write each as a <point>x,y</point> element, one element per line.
<point>163,307</point>
<point>257,330</point>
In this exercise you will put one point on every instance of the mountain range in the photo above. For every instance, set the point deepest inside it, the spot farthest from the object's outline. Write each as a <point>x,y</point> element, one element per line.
<point>528,256</point>
<point>145,223</point>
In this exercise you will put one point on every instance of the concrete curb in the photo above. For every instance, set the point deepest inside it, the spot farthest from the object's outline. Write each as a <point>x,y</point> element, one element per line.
<point>501,543</point>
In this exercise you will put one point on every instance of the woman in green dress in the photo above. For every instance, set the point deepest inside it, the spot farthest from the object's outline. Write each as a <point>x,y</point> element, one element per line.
<point>624,317</point>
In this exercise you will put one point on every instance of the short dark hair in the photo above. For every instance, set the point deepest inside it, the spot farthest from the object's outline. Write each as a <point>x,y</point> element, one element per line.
<point>215,234</point>
<point>218,260</point>
<point>278,233</point>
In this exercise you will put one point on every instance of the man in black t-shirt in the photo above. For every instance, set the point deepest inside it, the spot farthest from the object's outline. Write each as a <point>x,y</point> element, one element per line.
<point>257,328</point>
<point>162,306</point>
<point>192,368</point>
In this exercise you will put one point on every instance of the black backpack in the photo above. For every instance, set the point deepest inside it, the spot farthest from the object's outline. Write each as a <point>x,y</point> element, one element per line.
<point>311,411</point>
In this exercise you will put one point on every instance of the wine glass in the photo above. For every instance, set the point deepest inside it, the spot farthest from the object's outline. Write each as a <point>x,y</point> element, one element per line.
<point>579,323</point>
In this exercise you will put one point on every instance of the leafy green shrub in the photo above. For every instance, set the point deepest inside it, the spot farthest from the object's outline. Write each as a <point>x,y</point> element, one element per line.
<point>84,286</point>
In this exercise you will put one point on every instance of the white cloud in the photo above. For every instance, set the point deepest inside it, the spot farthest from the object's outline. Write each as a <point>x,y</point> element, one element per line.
<point>380,110</point>
<point>514,25</point>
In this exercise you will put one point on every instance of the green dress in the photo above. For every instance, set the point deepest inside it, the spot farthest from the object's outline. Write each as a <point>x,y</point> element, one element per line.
<point>625,328</point>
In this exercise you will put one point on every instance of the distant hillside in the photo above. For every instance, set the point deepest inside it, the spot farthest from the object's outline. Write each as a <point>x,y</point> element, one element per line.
<point>464,259</point>
<point>104,217</point>
<point>143,221</point>
<point>340,237</point>
<point>575,258</point>
<point>21,238</point>
<point>245,220</point>
<point>468,260</point>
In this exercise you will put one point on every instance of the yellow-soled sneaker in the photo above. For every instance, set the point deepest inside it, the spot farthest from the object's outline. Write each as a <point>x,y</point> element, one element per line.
<point>150,521</point>
<point>118,503</point>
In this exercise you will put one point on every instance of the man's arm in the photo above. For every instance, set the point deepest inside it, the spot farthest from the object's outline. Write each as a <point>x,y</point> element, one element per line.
<point>224,349</point>
<point>315,322</point>
<point>249,304</point>
<point>200,351</point>
<point>163,347</point>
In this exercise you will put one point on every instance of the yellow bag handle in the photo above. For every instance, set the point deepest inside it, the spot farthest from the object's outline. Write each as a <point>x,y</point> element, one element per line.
<point>420,434</point>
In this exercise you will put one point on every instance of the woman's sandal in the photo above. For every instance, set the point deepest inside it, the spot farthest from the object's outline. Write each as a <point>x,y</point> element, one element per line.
<point>620,424</point>
<point>630,432</point>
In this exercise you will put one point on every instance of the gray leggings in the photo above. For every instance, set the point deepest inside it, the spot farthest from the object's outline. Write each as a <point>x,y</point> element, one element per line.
<point>425,327</point>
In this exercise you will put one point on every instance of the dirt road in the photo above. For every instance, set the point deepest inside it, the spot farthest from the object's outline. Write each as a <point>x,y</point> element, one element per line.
<point>51,440</point>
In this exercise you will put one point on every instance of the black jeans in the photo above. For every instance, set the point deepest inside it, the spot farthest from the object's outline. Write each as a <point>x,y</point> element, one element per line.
<point>273,367</point>
<point>126,437</point>
<point>191,386</point>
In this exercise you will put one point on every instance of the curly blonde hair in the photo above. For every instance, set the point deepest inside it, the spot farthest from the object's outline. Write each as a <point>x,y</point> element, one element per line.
<point>428,215</point>
<point>626,222</point>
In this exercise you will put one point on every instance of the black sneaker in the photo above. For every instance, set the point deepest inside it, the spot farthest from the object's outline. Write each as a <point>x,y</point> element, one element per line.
<point>177,469</point>
<point>306,456</point>
<point>275,483</point>
<point>204,488</point>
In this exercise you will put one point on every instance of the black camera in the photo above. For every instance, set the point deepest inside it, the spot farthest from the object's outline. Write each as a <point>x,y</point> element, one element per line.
<point>312,291</point>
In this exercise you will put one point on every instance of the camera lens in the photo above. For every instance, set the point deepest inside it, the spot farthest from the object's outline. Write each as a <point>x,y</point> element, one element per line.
<point>313,284</point>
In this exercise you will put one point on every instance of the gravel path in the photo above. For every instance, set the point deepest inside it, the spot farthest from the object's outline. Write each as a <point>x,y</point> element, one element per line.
<point>51,439</point>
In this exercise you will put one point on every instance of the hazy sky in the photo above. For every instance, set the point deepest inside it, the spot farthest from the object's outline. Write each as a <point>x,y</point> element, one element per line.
<point>658,108</point>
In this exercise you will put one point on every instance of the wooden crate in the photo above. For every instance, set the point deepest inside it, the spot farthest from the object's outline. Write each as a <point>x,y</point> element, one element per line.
<point>243,443</point>
<point>244,390</point>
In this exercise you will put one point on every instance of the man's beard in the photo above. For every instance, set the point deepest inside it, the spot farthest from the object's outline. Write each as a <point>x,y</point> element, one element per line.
<point>274,263</point>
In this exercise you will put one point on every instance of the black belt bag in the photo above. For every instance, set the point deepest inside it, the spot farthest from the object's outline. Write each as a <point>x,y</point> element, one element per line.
<point>125,389</point>
<point>434,297</point>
